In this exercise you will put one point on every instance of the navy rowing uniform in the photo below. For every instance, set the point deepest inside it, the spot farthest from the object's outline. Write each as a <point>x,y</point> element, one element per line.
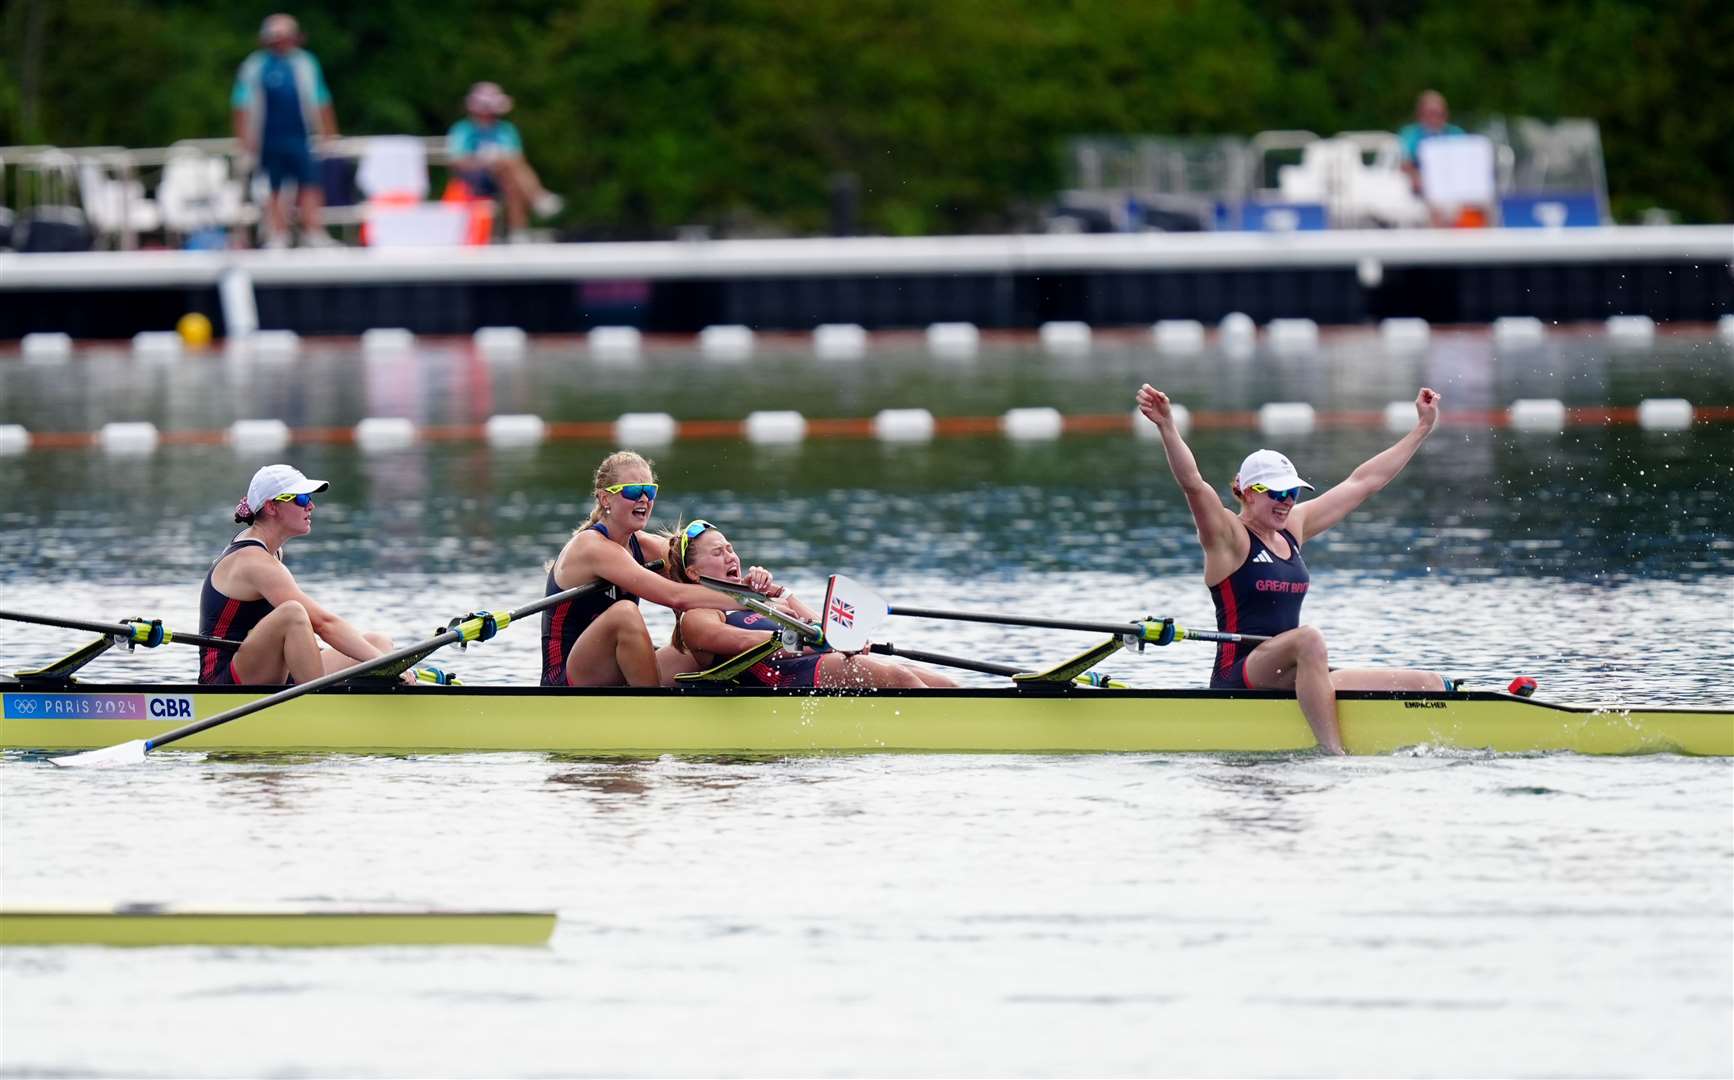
<point>1262,597</point>
<point>565,622</point>
<point>225,617</point>
<point>783,669</point>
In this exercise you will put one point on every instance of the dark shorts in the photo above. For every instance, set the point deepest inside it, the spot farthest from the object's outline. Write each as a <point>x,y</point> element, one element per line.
<point>283,162</point>
<point>222,673</point>
<point>785,671</point>
<point>481,183</point>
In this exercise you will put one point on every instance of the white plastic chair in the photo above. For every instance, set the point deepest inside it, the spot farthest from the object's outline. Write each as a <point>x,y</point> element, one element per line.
<point>196,192</point>
<point>117,209</point>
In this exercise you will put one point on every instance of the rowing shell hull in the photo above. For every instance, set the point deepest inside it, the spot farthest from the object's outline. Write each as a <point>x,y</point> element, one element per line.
<point>156,924</point>
<point>758,721</point>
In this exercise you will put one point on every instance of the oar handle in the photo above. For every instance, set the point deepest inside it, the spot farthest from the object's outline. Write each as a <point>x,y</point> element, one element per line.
<point>468,630</point>
<point>137,631</point>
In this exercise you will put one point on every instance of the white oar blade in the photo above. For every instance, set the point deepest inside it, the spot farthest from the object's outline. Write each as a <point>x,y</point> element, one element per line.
<point>852,613</point>
<point>127,753</point>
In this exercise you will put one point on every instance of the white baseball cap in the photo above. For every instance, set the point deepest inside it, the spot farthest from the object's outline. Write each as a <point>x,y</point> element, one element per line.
<point>1271,469</point>
<point>274,480</point>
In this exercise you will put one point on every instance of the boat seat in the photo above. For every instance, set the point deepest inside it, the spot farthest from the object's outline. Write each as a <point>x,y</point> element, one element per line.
<point>730,670</point>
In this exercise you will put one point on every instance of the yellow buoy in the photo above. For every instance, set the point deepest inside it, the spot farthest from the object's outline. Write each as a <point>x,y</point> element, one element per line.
<point>194,329</point>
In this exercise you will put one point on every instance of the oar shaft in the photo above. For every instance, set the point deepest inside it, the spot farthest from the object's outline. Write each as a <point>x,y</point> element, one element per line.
<point>1019,620</point>
<point>942,660</point>
<point>118,629</point>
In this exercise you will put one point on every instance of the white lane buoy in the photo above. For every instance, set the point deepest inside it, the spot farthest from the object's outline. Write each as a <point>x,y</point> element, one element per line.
<point>645,429</point>
<point>1402,335</point>
<point>615,342</point>
<point>1065,338</point>
<point>1237,324</point>
<point>1145,428</point>
<point>840,341</point>
<point>379,433</point>
<point>261,436</point>
<point>1631,331</point>
<point>14,439</point>
<point>1664,414</point>
<point>1036,424</point>
<point>501,342</point>
<point>272,344</point>
<point>1537,414</point>
<point>775,426</point>
<point>1518,330</point>
<point>903,425</point>
<point>128,437</point>
<point>1181,336</point>
<point>1725,328</point>
<point>45,347</point>
<point>1400,416</point>
<point>1287,418</point>
<point>386,339</point>
<point>955,339</point>
<point>514,429</point>
<point>729,342</point>
<point>1293,335</point>
<point>156,344</point>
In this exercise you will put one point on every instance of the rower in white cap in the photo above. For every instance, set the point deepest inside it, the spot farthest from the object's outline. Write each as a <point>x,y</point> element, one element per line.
<point>250,596</point>
<point>1253,566</point>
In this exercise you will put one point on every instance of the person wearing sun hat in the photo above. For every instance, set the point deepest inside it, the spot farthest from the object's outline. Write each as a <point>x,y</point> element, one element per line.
<point>1257,577</point>
<point>250,596</point>
<point>487,155</point>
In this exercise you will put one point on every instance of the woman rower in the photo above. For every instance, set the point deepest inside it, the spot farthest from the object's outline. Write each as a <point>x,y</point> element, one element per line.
<point>1257,578</point>
<point>703,638</point>
<point>599,639</point>
<point>250,595</point>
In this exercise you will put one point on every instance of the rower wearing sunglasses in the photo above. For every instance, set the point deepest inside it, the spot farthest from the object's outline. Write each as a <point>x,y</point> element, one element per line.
<point>251,596</point>
<point>1257,577</point>
<point>599,639</point>
<point>703,638</point>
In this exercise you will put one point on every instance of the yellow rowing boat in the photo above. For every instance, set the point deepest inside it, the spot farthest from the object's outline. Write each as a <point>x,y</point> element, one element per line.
<point>710,719</point>
<point>276,925</point>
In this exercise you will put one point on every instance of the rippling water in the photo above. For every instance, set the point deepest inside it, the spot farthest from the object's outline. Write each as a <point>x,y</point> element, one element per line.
<point>1131,914</point>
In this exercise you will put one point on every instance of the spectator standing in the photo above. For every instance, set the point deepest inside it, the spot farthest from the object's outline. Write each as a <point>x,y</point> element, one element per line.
<point>1432,119</point>
<point>281,104</point>
<point>487,155</point>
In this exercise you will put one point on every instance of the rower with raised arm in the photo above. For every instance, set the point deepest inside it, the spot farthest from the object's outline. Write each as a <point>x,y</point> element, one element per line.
<point>1257,577</point>
<point>705,637</point>
<point>600,639</point>
<point>249,595</point>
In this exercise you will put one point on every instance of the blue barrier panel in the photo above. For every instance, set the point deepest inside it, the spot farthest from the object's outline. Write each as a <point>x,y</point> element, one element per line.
<point>1550,210</point>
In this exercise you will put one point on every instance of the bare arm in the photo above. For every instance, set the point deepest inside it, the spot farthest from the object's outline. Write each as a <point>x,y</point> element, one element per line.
<point>1315,516</point>
<point>707,631</point>
<point>1217,530</point>
<point>276,584</point>
<point>244,133</point>
<point>328,121</point>
<point>590,557</point>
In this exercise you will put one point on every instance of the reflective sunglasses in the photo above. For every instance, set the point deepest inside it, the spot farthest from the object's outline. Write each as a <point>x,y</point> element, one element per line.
<point>633,492</point>
<point>692,532</point>
<point>302,501</point>
<point>1289,495</point>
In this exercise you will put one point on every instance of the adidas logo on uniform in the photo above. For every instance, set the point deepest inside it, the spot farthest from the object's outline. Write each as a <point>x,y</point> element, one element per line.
<point>1263,556</point>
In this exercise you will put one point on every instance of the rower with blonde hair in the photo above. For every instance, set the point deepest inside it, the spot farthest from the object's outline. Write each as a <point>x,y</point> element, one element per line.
<point>600,639</point>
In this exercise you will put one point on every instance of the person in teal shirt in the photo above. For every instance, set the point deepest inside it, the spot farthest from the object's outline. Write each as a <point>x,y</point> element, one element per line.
<point>280,104</point>
<point>1432,119</point>
<point>487,154</point>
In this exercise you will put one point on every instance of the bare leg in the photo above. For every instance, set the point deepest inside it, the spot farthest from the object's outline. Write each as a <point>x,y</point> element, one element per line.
<point>863,672</point>
<point>282,646</point>
<point>671,661</point>
<point>336,661</point>
<point>312,208</point>
<point>276,214</point>
<point>929,677</point>
<point>614,650</point>
<point>1298,661</point>
<point>1386,679</point>
<point>510,181</point>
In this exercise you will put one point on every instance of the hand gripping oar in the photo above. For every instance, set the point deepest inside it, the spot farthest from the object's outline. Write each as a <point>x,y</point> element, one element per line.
<point>470,629</point>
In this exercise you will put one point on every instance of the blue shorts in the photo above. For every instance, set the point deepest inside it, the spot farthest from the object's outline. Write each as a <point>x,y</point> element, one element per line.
<point>786,671</point>
<point>283,162</point>
<point>481,183</point>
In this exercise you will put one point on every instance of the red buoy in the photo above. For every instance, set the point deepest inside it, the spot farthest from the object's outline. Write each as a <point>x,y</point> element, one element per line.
<point>1522,686</point>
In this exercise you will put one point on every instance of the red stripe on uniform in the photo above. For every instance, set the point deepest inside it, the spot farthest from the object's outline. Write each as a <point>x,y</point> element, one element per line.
<point>1230,622</point>
<point>222,627</point>
<point>554,662</point>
